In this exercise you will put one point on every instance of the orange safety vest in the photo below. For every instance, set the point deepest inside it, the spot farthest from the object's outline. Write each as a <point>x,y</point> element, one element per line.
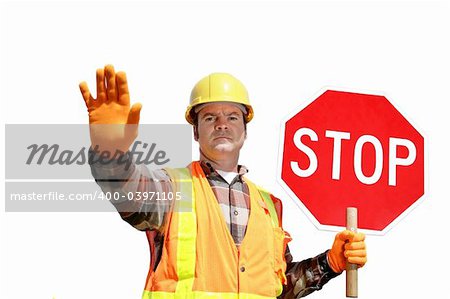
<point>199,257</point>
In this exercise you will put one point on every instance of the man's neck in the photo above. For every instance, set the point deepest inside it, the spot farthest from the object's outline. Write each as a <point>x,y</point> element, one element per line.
<point>229,164</point>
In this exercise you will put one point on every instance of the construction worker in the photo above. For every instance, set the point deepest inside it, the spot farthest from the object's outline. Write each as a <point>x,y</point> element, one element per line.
<point>230,244</point>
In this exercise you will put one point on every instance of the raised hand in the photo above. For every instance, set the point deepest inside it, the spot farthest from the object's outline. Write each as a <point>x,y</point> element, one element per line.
<point>113,124</point>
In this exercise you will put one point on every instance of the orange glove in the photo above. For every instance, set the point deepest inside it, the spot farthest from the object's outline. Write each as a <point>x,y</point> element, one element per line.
<point>348,246</point>
<point>112,123</point>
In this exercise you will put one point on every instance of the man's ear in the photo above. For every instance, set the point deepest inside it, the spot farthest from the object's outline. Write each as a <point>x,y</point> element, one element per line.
<point>195,128</point>
<point>245,130</point>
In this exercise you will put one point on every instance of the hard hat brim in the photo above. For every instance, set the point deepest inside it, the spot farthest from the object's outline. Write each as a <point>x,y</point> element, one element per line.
<point>190,114</point>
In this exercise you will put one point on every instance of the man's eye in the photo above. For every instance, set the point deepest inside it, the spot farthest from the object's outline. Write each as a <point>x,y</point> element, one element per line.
<point>233,118</point>
<point>209,118</point>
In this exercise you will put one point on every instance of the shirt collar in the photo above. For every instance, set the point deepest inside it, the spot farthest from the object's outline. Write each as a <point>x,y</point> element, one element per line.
<point>209,170</point>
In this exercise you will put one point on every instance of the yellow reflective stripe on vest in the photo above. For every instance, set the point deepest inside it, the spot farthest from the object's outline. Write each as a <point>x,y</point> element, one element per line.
<point>269,203</point>
<point>187,231</point>
<point>201,295</point>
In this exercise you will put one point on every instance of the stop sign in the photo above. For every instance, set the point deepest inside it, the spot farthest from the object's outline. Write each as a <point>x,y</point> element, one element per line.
<point>350,149</point>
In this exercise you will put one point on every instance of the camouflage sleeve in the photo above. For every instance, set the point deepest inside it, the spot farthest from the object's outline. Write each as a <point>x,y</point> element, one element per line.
<point>136,183</point>
<point>306,276</point>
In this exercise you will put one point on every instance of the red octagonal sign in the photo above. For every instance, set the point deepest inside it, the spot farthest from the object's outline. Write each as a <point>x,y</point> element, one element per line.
<point>350,149</point>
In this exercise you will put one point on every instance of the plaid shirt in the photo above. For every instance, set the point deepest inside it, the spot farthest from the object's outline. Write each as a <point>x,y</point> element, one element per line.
<point>303,277</point>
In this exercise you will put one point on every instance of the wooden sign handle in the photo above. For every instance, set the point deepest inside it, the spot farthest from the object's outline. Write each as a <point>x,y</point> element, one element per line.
<point>352,269</point>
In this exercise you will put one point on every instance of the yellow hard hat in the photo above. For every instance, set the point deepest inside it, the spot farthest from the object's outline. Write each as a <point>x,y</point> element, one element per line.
<point>219,87</point>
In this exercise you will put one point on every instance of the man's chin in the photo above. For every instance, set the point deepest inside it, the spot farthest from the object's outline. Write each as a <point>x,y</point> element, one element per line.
<point>225,148</point>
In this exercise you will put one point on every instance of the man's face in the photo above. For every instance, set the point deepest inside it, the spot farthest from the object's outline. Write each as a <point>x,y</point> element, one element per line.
<point>220,131</point>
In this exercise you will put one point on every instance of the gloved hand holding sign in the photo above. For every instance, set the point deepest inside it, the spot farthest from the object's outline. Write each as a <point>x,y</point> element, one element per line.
<point>113,124</point>
<point>349,246</point>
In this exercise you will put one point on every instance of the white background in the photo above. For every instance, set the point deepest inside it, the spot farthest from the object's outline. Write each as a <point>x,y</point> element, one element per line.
<point>284,53</point>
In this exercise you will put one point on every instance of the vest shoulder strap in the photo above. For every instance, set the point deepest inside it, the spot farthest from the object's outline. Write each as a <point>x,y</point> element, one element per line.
<point>183,175</point>
<point>270,205</point>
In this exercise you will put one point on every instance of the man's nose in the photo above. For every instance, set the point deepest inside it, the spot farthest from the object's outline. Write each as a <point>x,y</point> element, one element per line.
<point>221,124</point>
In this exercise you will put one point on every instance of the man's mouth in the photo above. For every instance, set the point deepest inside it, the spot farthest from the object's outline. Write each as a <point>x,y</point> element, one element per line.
<point>222,137</point>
